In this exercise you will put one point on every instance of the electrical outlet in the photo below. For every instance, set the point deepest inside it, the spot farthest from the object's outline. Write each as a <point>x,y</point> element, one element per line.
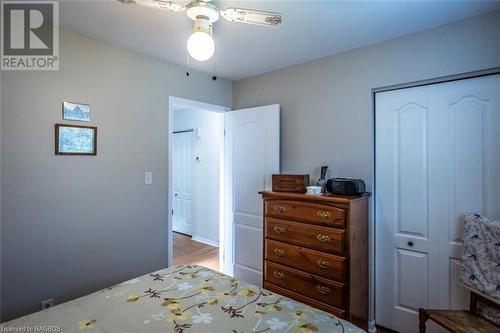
<point>48,303</point>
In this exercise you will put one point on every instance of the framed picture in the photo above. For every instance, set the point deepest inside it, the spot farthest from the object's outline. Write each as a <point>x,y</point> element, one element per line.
<point>76,111</point>
<point>75,140</point>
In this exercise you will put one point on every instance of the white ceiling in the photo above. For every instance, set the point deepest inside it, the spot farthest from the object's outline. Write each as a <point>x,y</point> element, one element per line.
<point>311,29</point>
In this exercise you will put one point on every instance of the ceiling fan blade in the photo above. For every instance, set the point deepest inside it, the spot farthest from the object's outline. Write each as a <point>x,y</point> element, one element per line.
<point>160,4</point>
<point>251,16</point>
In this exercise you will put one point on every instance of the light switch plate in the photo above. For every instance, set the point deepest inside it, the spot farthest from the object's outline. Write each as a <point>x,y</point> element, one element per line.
<point>148,178</point>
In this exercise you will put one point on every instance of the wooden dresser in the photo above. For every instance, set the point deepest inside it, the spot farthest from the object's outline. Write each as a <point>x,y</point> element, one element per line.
<point>316,251</point>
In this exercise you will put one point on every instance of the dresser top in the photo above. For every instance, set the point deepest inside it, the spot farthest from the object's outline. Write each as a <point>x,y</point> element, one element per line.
<point>322,197</point>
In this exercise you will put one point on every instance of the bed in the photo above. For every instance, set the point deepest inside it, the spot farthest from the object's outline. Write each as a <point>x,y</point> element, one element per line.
<point>183,299</point>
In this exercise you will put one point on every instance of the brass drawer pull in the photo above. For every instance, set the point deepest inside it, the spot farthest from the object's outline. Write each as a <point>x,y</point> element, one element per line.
<point>323,214</point>
<point>279,252</point>
<point>279,275</point>
<point>279,229</point>
<point>279,209</point>
<point>323,238</point>
<point>323,264</point>
<point>323,289</point>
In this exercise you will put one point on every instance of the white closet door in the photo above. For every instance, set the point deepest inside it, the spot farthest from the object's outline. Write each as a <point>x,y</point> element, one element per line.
<point>182,189</point>
<point>437,157</point>
<point>406,211</point>
<point>470,179</point>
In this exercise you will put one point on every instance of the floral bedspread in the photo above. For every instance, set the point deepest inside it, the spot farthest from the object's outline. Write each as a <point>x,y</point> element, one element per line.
<point>184,299</point>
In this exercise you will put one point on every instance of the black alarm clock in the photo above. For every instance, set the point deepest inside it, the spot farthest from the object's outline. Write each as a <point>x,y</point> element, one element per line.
<point>345,186</point>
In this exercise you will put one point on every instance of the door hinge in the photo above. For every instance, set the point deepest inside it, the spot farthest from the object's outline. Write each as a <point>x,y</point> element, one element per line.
<point>172,212</point>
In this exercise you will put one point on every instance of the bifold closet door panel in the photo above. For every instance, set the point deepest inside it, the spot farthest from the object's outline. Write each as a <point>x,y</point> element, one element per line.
<point>470,179</point>
<point>406,211</point>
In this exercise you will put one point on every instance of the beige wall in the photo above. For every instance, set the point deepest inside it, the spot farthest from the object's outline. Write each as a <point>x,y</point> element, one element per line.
<point>72,225</point>
<point>327,105</point>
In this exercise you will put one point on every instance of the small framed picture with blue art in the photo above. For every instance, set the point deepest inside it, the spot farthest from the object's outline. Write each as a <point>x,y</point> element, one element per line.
<point>76,111</point>
<point>75,140</point>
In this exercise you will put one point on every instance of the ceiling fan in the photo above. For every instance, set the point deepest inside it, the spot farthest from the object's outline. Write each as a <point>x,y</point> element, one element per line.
<point>200,44</point>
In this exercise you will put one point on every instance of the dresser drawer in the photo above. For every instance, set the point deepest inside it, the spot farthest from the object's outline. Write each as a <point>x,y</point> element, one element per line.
<point>312,286</point>
<point>306,212</point>
<point>313,237</point>
<point>326,265</point>
<point>306,300</point>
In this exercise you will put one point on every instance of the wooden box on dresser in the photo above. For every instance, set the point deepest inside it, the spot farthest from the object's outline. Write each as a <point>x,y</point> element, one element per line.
<point>316,251</point>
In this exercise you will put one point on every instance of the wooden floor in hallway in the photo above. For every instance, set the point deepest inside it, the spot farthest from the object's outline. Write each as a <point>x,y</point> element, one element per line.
<point>188,251</point>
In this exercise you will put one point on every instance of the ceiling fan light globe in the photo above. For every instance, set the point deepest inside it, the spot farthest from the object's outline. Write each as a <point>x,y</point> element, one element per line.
<point>201,46</point>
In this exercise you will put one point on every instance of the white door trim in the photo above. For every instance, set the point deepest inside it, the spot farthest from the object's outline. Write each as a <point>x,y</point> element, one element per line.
<point>186,103</point>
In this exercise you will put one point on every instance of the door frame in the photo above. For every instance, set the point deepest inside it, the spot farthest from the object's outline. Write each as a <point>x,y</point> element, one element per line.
<point>174,102</point>
<point>374,226</point>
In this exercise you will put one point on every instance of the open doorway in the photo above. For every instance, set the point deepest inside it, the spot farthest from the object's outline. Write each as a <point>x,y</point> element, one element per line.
<point>247,153</point>
<point>196,161</point>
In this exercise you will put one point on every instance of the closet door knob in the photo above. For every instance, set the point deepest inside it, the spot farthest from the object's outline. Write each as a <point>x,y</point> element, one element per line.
<point>410,244</point>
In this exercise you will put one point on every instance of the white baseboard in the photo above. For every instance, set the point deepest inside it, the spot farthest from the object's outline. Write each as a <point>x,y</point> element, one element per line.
<point>372,328</point>
<point>205,241</point>
<point>181,230</point>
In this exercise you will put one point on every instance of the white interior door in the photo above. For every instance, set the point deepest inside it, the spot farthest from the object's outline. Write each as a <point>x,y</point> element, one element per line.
<point>437,157</point>
<point>182,189</point>
<point>252,155</point>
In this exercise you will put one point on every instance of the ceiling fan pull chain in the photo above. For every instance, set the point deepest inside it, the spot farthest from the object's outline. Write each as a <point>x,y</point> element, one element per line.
<point>188,64</point>
<point>214,77</point>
